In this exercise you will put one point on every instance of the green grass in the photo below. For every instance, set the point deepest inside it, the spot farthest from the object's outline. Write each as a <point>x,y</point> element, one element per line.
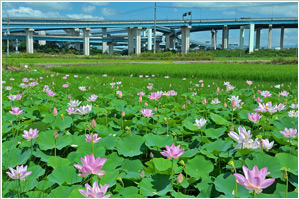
<point>215,71</point>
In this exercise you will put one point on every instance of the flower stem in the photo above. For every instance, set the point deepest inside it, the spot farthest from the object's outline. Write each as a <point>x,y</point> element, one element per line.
<point>172,171</point>
<point>253,194</point>
<point>19,188</point>
<point>236,191</point>
<point>31,148</point>
<point>178,192</point>
<point>55,153</point>
<point>287,185</point>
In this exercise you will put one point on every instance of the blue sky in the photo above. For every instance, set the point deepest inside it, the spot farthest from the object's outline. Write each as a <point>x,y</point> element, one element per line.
<point>165,10</point>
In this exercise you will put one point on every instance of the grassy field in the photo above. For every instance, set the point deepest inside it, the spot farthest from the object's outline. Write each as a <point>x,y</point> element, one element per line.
<point>215,71</point>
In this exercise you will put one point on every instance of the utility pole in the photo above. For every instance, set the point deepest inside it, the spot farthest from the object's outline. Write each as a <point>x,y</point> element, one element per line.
<point>154,42</point>
<point>7,33</point>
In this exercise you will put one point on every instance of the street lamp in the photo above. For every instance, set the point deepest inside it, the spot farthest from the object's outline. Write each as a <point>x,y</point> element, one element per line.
<point>186,14</point>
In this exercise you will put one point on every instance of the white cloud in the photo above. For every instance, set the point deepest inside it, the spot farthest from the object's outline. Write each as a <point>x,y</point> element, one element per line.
<point>99,3</point>
<point>50,5</point>
<point>108,12</point>
<point>29,12</point>
<point>88,8</point>
<point>228,13</point>
<point>286,9</point>
<point>83,16</point>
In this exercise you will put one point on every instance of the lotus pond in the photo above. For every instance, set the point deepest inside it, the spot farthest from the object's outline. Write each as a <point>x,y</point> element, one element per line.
<point>77,136</point>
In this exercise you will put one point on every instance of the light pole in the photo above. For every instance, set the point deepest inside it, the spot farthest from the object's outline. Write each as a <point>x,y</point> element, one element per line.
<point>7,34</point>
<point>154,44</point>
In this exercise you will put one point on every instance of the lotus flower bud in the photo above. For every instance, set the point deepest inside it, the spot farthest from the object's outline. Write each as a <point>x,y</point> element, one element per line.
<point>233,103</point>
<point>180,178</point>
<point>189,102</point>
<point>183,107</point>
<point>182,162</point>
<point>140,99</point>
<point>123,113</point>
<point>142,173</point>
<point>204,101</point>
<point>54,111</point>
<point>146,104</point>
<point>202,84</point>
<point>93,123</point>
<point>155,109</point>
<point>231,163</point>
<point>54,99</point>
<point>61,115</point>
<point>225,105</point>
<point>55,135</point>
<point>117,87</point>
<point>70,96</point>
<point>232,128</point>
<point>218,90</point>
<point>151,155</point>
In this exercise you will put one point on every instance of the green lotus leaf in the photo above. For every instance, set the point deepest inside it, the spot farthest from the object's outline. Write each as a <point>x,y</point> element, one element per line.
<point>218,146</point>
<point>215,133</point>
<point>62,191</point>
<point>264,160</point>
<point>44,185</point>
<point>288,161</point>
<point>219,119</point>
<point>64,174</point>
<point>41,126</point>
<point>113,161</point>
<point>162,164</point>
<point>198,167</point>
<point>46,140</point>
<point>15,157</point>
<point>158,141</point>
<point>59,162</point>
<point>130,192</point>
<point>31,180</point>
<point>159,184</point>
<point>226,184</point>
<point>110,177</point>
<point>130,145</point>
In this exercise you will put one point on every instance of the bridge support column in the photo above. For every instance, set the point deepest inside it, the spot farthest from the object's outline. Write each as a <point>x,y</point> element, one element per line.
<point>157,46</point>
<point>213,39</point>
<point>257,41</point>
<point>86,41</point>
<point>74,32</point>
<point>29,40</point>
<point>149,42</point>
<point>185,38</point>
<point>137,34</point>
<point>168,40</point>
<point>225,37</point>
<point>251,37</point>
<point>130,40</point>
<point>104,44</point>
<point>270,37</point>
<point>242,37</point>
<point>281,37</point>
<point>172,42</point>
<point>42,42</point>
<point>110,48</point>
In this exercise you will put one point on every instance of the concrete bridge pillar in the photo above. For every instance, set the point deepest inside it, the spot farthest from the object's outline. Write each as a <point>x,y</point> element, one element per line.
<point>168,40</point>
<point>225,37</point>
<point>270,37</point>
<point>157,45</point>
<point>137,34</point>
<point>74,32</point>
<point>130,39</point>
<point>281,37</point>
<point>86,41</point>
<point>104,44</point>
<point>110,48</point>
<point>185,38</point>
<point>42,42</point>
<point>213,39</point>
<point>29,39</point>
<point>149,42</point>
<point>242,37</point>
<point>251,37</point>
<point>172,42</point>
<point>257,42</point>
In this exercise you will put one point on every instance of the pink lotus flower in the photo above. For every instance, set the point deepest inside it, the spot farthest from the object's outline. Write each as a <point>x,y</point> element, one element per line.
<point>50,93</point>
<point>91,166</point>
<point>71,110</point>
<point>19,173</point>
<point>94,140</point>
<point>25,80</point>
<point>154,96</point>
<point>16,111</point>
<point>204,101</point>
<point>8,88</point>
<point>254,117</point>
<point>266,144</point>
<point>95,192</point>
<point>31,134</point>
<point>255,179</point>
<point>289,133</point>
<point>65,85</point>
<point>14,97</point>
<point>93,98</point>
<point>200,123</point>
<point>249,82</point>
<point>172,152</point>
<point>147,112</point>
<point>266,94</point>
<point>284,93</point>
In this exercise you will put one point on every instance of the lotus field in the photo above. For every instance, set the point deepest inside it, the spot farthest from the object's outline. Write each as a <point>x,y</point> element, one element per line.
<point>99,136</point>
